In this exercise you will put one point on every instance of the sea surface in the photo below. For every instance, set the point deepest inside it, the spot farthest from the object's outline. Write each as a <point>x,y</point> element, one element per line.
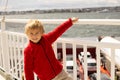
<point>77,31</point>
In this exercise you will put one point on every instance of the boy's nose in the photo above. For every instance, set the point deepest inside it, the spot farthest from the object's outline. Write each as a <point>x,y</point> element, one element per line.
<point>33,36</point>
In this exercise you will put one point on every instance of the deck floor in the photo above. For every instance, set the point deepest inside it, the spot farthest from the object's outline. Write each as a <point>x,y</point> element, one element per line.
<point>1,78</point>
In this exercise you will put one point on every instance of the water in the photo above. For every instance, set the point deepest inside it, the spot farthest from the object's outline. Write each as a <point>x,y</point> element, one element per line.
<point>76,30</point>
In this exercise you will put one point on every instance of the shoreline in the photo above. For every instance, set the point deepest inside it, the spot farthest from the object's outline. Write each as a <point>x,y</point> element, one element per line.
<point>69,10</point>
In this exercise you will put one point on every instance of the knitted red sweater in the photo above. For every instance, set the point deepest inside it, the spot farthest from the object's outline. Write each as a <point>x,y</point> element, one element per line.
<point>40,58</point>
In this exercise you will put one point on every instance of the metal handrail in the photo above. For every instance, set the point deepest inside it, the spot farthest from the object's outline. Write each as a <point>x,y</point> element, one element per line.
<point>80,21</point>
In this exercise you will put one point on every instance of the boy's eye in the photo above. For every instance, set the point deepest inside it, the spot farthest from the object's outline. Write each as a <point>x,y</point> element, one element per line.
<point>31,33</point>
<point>36,33</point>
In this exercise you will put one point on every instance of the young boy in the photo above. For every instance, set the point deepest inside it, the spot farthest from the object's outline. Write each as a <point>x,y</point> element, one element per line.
<point>39,56</point>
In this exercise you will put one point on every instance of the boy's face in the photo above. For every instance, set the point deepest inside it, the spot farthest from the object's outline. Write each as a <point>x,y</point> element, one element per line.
<point>34,35</point>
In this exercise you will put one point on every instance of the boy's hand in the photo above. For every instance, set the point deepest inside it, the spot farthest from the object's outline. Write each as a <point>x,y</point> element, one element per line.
<point>74,19</point>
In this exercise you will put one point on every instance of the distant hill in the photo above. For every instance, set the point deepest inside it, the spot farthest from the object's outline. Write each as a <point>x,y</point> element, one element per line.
<point>75,10</point>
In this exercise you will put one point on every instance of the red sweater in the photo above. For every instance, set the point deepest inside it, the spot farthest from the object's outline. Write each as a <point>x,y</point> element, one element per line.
<point>40,58</point>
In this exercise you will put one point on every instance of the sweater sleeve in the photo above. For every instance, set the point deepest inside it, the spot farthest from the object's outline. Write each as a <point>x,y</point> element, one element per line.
<point>28,65</point>
<point>58,31</point>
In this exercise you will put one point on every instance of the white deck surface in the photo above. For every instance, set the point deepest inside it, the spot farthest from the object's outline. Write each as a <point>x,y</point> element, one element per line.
<point>1,78</point>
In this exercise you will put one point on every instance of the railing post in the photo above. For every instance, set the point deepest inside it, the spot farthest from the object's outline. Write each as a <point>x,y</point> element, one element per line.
<point>112,63</point>
<point>64,55</point>
<point>85,62</point>
<point>74,62</point>
<point>55,49</point>
<point>4,46</point>
<point>98,62</point>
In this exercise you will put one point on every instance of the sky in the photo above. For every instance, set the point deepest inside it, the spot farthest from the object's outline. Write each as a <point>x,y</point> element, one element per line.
<point>18,5</point>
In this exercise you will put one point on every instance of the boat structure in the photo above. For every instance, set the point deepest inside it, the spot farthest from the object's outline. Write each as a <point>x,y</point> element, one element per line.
<point>67,51</point>
<point>108,53</point>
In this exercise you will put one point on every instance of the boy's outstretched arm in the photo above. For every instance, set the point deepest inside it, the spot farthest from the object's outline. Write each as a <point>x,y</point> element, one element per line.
<point>74,20</point>
<point>59,30</point>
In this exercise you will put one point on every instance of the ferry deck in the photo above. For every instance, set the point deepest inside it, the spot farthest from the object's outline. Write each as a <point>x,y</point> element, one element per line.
<point>13,43</point>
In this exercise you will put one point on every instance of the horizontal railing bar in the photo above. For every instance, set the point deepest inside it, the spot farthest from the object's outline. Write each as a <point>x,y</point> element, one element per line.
<point>16,33</point>
<point>99,21</point>
<point>80,21</point>
<point>90,43</point>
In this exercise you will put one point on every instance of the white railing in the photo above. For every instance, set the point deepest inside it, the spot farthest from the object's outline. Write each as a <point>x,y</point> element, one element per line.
<point>12,45</point>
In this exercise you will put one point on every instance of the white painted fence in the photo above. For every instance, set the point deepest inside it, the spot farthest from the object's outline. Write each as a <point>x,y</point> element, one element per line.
<point>12,45</point>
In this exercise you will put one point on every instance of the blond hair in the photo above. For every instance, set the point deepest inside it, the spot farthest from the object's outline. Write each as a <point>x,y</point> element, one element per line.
<point>34,24</point>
